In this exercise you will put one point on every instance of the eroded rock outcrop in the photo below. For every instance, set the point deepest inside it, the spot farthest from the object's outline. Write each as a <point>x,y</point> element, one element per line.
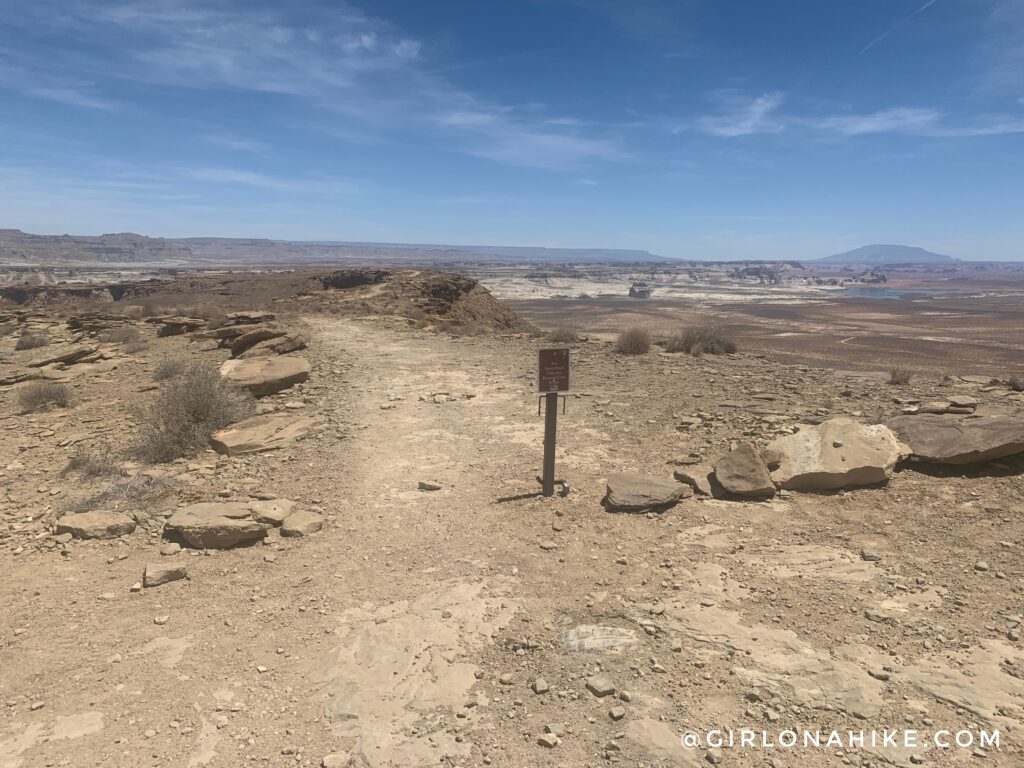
<point>838,453</point>
<point>950,439</point>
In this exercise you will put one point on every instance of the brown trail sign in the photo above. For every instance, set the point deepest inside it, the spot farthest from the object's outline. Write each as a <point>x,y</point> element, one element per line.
<point>553,379</point>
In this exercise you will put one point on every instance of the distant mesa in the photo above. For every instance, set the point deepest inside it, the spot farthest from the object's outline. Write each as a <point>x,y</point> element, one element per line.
<point>19,248</point>
<point>887,254</point>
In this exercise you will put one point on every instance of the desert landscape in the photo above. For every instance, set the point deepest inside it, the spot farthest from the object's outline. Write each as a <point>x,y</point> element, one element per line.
<point>347,561</point>
<point>522,384</point>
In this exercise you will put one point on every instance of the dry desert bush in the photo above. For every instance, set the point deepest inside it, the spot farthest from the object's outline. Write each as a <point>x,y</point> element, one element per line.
<point>633,341</point>
<point>190,408</point>
<point>168,368</point>
<point>563,334</point>
<point>134,347</point>
<point>1015,383</point>
<point>31,340</point>
<point>123,335</point>
<point>707,338</point>
<point>40,394</point>
<point>900,374</point>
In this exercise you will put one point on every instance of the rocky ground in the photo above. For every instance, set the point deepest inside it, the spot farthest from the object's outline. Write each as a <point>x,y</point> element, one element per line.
<point>445,614</point>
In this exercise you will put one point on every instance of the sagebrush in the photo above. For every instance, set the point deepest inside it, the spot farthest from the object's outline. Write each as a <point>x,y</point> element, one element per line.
<point>633,341</point>
<point>168,368</point>
<point>122,335</point>
<point>188,410</point>
<point>707,338</point>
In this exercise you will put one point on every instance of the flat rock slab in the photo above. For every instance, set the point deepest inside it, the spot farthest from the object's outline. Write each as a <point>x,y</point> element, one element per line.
<point>302,523</point>
<point>273,512</point>
<point>838,453</point>
<point>633,492</point>
<point>161,573</point>
<point>697,476</point>
<point>215,525</point>
<point>64,355</point>
<point>96,525</point>
<point>266,375</point>
<point>743,472</point>
<point>950,439</point>
<point>261,433</point>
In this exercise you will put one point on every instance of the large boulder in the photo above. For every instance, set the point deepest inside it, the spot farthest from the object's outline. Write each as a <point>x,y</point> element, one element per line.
<point>266,375</point>
<point>743,472</point>
<point>95,525</point>
<point>950,439</point>
<point>215,525</point>
<point>250,339</point>
<point>633,492</point>
<point>261,433</point>
<point>838,453</point>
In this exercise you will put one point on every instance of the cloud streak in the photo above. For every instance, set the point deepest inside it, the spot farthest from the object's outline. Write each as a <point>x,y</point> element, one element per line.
<point>334,59</point>
<point>896,26</point>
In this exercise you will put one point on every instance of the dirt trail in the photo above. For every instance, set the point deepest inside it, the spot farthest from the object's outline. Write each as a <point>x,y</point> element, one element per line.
<point>417,627</point>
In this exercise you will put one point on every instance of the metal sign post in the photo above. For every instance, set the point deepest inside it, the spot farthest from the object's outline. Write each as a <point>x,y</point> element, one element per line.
<point>553,375</point>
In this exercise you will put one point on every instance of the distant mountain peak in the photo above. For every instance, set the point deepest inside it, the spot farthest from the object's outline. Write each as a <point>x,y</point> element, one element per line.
<point>887,254</point>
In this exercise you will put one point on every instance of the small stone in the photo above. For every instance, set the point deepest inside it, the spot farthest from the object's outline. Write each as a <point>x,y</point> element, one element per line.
<point>426,485</point>
<point>162,573</point>
<point>161,620</point>
<point>136,587</point>
<point>336,760</point>
<point>171,548</point>
<point>35,705</point>
<point>540,685</point>
<point>600,686</point>
<point>149,733</point>
<point>713,756</point>
<point>549,545</point>
<point>617,713</point>
<point>981,565</point>
<point>870,555</point>
<point>548,740</point>
<point>506,678</point>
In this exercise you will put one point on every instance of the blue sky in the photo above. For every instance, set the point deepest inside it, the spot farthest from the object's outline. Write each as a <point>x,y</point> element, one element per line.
<point>697,129</point>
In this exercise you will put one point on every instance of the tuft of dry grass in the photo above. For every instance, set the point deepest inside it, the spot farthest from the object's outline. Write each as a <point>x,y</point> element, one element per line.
<point>633,341</point>
<point>134,347</point>
<point>39,394</point>
<point>31,340</point>
<point>1015,383</point>
<point>100,463</point>
<point>190,408</point>
<point>707,338</point>
<point>900,374</point>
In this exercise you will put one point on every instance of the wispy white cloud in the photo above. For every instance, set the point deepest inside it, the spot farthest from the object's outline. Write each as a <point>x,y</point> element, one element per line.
<point>896,120</point>
<point>744,119</point>
<point>237,144</point>
<point>762,115</point>
<point>71,96</point>
<point>330,57</point>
